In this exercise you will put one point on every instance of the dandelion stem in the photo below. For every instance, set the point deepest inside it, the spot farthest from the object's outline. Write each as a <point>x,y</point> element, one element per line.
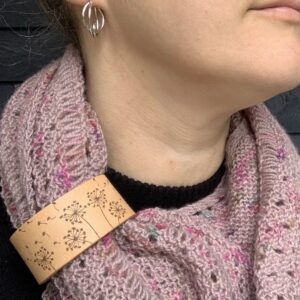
<point>91,227</point>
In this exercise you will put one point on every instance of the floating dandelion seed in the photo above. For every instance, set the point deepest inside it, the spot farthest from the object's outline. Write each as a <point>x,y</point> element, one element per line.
<point>45,233</point>
<point>54,205</point>
<point>40,222</point>
<point>27,248</point>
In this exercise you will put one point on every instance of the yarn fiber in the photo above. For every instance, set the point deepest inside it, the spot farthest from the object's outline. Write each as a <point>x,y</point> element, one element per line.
<point>240,242</point>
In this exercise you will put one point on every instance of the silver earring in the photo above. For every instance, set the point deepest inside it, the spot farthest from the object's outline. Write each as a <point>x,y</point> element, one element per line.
<point>91,19</point>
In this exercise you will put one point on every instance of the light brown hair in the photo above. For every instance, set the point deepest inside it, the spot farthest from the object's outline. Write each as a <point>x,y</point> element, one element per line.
<point>61,18</point>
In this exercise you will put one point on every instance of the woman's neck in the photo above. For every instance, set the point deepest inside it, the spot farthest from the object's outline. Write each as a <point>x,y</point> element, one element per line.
<point>158,126</point>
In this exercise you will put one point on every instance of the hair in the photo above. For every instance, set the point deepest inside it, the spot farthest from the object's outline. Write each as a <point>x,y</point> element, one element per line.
<point>61,18</point>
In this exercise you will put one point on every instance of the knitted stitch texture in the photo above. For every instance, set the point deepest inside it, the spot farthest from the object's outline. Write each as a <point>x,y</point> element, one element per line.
<point>240,242</point>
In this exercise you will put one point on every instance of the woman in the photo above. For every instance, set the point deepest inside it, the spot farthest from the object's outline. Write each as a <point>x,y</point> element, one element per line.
<point>166,99</point>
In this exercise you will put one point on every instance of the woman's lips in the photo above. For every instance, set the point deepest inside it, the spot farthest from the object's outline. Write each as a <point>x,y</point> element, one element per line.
<point>282,12</point>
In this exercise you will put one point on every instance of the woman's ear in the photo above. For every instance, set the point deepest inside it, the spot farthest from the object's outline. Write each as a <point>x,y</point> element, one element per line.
<point>76,2</point>
<point>82,2</point>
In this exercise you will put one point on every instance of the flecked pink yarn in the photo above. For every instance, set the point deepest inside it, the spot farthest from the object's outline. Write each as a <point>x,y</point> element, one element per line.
<point>240,242</point>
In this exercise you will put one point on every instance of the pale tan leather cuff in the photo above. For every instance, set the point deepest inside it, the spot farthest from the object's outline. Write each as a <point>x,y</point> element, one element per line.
<point>69,225</point>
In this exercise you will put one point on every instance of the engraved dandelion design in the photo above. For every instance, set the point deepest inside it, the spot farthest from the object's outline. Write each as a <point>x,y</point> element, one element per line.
<point>44,259</point>
<point>74,213</point>
<point>117,209</point>
<point>75,238</point>
<point>97,197</point>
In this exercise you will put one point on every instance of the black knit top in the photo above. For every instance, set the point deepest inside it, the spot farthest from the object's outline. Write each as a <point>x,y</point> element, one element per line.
<point>16,280</point>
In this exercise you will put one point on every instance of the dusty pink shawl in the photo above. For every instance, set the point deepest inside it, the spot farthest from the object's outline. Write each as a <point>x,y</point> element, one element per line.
<point>243,243</point>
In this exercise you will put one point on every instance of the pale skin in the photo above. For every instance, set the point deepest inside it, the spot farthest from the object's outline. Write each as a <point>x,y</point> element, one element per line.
<point>165,76</point>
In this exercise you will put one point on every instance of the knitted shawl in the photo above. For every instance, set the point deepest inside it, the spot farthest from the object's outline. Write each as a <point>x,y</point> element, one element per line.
<point>242,241</point>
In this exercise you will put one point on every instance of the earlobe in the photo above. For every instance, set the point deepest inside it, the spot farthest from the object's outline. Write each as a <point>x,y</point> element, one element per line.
<point>76,2</point>
<point>83,2</point>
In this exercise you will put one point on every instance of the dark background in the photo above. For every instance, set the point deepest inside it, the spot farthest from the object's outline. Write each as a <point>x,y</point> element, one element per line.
<point>27,44</point>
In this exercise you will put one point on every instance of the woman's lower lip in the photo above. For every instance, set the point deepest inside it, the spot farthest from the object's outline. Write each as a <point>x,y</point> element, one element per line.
<point>282,12</point>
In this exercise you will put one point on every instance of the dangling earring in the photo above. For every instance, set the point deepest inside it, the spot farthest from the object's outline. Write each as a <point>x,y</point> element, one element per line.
<point>92,27</point>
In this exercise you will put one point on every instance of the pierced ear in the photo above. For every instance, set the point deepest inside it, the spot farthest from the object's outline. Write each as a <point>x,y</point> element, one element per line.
<point>76,2</point>
<point>82,2</point>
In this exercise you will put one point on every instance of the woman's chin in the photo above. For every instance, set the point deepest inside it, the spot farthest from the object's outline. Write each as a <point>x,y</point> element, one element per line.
<point>282,78</point>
